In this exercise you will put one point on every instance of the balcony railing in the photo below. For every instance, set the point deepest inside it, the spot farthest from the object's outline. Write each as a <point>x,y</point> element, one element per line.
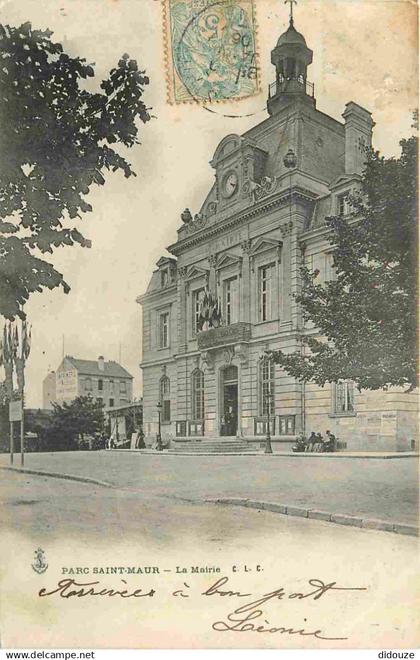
<point>226,334</point>
<point>291,86</point>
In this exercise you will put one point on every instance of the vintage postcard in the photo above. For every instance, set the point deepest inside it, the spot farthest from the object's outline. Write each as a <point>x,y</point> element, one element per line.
<point>208,355</point>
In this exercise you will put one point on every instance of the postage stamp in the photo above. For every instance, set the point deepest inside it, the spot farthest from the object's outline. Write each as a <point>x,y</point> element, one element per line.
<point>211,50</point>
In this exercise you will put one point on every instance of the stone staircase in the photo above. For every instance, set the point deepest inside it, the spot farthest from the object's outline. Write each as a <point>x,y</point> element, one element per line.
<point>229,445</point>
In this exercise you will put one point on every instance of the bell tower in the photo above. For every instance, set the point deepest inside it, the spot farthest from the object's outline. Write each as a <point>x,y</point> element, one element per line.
<point>291,57</point>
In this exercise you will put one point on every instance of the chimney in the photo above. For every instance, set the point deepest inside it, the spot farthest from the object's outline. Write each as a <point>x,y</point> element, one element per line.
<point>358,125</point>
<point>101,363</point>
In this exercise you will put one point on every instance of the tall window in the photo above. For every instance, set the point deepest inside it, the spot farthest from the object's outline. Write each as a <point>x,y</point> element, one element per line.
<point>344,397</point>
<point>88,384</point>
<point>197,378</point>
<point>197,298</point>
<point>265,292</point>
<point>165,394</point>
<point>330,272</point>
<point>123,387</point>
<point>343,204</point>
<point>230,301</point>
<point>266,398</point>
<point>100,384</point>
<point>164,330</point>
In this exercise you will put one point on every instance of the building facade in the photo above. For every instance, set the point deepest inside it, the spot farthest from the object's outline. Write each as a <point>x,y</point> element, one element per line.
<point>106,381</point>
<point>262,219</point>
<point>48,391</point>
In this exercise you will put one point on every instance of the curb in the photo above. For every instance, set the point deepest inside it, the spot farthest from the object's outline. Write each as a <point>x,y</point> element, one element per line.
<point>57,475</point>
<point>308,455</point>
<point>315,514</point>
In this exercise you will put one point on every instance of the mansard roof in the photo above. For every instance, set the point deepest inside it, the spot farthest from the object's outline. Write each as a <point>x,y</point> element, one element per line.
<point>91,368</point>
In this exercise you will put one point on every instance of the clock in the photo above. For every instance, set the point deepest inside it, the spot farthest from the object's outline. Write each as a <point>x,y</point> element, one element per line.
<point>230,184</point>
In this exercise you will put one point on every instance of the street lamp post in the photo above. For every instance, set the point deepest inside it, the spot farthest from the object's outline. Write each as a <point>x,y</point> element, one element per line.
<point>159,435</point>
<point>268,447</point>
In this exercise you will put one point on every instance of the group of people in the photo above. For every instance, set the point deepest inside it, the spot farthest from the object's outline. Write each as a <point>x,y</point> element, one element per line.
<point>316,443</point>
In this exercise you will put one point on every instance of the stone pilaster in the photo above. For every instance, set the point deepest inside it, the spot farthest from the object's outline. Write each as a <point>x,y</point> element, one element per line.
<point>212,274</point>
<point>182,310</point>
<point>245,306</point>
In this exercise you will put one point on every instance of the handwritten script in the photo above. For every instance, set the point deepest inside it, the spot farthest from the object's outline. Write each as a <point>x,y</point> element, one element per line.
<point>248,616</point>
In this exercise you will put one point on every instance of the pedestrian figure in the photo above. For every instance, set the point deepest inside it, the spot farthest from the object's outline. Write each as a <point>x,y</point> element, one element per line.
<point>331,441</point>
<point>319,443</point>
<point>311,442</point>
<point>140,439</point>
<point>159,445</point>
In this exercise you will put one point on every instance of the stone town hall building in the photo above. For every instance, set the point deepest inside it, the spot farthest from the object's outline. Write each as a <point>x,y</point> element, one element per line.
<point>263,217</point>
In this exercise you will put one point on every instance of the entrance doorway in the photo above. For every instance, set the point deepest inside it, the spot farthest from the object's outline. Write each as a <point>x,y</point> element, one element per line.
<point>229,388</point>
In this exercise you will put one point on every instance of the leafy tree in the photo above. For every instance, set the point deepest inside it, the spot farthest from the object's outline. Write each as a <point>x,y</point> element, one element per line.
<point>82,416</point>
<point>57,140</point>
<point>367,316</point>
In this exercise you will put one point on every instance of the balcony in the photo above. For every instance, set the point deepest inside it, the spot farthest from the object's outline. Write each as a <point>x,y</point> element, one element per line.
<point>291,86</point>
<point>226,334</point>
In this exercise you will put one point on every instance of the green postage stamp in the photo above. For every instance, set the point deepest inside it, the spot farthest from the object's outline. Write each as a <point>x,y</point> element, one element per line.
<point>211,51</point>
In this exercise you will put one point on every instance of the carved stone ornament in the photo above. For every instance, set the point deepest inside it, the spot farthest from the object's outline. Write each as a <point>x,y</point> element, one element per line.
<point>213,260</point>
<point>228,355</point>
<point>246,245</point>
<point>241,352</point>
<point>198,223</point>
<point>286,228</point>
<point>265,187</point>
<point>207,361</point>
<point>211,209</point>
<point>182,272</point>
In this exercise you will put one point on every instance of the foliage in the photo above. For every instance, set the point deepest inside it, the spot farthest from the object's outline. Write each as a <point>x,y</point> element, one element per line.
<point>367,316</point>
<point>55,141</point>
<point>82,416</point>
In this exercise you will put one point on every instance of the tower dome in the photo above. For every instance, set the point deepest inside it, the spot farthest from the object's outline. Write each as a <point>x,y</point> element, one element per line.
<point>291,57</point>
<point>291,36</point>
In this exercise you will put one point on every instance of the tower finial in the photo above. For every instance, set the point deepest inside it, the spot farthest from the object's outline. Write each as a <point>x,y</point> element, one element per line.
<point>291,3</point>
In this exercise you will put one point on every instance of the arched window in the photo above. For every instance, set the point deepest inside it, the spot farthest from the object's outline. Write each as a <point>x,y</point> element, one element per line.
<point>165,398</point>
<point>266,387</point>
<point>197,380</point>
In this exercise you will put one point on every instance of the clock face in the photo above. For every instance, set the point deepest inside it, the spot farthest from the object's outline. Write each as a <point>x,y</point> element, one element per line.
<point>230,184</point>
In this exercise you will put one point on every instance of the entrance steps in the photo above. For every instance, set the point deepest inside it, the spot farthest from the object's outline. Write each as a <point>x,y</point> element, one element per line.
<point>216,445</point>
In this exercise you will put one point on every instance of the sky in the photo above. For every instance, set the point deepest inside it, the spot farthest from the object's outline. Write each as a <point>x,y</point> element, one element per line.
<point>364,51</point>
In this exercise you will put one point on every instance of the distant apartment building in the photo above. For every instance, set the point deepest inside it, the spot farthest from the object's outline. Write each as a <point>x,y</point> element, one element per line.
<point>107,382</point>
<point>48,391</point>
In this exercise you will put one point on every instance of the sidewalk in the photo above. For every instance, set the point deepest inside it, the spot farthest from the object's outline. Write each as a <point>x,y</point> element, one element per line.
<point>367,489</point>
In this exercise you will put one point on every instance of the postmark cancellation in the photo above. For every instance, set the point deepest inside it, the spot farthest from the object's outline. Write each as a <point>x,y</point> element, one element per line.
<point>210,50</point>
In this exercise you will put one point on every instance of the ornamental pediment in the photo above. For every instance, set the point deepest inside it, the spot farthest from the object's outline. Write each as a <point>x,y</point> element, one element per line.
<point>344,180</point>
<point>194,272</point>
<point>264,244</point>
<point>228,260</point>
<point>226,147</point>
